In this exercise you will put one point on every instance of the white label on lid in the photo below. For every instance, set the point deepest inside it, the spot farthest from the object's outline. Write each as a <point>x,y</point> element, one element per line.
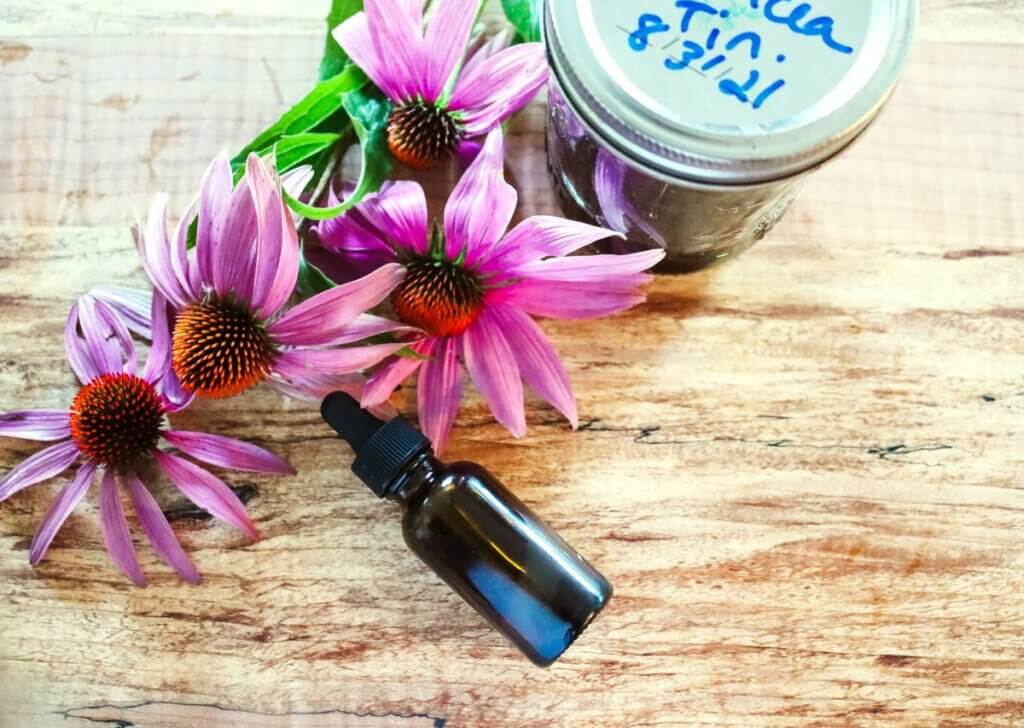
<point>738,66</point>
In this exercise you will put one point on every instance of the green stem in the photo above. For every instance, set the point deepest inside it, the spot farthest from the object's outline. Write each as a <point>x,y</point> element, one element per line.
<point>322,186</point>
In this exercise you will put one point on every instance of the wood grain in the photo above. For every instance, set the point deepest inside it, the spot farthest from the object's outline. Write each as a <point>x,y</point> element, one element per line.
<point>801,471</point>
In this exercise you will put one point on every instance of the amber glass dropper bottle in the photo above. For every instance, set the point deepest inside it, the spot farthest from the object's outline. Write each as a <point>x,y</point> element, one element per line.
<point>482,540</point>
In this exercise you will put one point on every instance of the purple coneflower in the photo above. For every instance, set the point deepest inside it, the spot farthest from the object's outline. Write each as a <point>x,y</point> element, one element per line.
<point>230,327</point>
<point>441,102</point>
<point>472,289</point>
<point>116,423</point>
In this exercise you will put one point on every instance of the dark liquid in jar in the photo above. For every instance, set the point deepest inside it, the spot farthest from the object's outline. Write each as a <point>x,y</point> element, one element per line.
<point>697,225</point>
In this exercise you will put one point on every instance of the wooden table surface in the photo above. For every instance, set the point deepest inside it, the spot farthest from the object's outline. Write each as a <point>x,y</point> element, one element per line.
<point>802,471</point>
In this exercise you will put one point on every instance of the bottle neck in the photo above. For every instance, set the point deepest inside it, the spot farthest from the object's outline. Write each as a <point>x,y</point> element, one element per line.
<point>415,480</point>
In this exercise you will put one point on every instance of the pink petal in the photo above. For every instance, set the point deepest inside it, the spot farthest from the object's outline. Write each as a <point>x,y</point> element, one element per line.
<point>214,195</point>
<point>571,300</point>
<point>369,326</point>
<point>482,204</point>
<point>387,43</point>
<point>468,150</point>
<point>159,370</point>
<point>235,232</point>
<point>115,531</point>
<point>41,425</point>
<point>270,215</point>
<point>130,304</point>
<point>492,47</point>
<point>450,26</point>
<point>609,186</point>
<point>324,317</point>
<point>108,343</point>
<point>295,181</point>
<point>398,40</point>
<point>284,276</point>
<point>107,340</point>
<point>77,350</point>
<point>207,491</point>
<point>354,35</point>
<point>497,88</point>
<point>61,507</point>
<point>155,251</point>
<point>351,247</point>
<point>414,9</point>
<point>287,275</point>
<point>158,530</point>
<point>539,237</point>
<point>227,452</point>
<point>158,363</point>
<point>347,266</point>
<point>581,268</point>
<point>316,386</point>
<point>176,398</point>
<point>300,363</point>
<point>492,366</point>
<point>386,378</point>
<point>183,271</point>
<point>439,392</point>
<point>44,465</point>
<point>118,336</point>
<point>538,361</point>
<point>352,234</point>
<point>399,213</point>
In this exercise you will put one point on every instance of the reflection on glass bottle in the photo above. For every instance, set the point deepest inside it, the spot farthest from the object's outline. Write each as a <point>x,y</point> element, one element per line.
<point>476,535</point>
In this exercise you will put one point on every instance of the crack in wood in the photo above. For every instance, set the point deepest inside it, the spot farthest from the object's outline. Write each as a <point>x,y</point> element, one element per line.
<point>437,721</point>
<point>890,453</point>
<point>305,440</point>
<point>187,511</point>
<point>885,453</point>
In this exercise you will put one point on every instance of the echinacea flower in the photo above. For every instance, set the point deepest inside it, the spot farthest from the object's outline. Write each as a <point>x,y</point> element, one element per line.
<point>116,423</point>
<point>442,100</point>
<point>231,327</point>
<point>473,288</point>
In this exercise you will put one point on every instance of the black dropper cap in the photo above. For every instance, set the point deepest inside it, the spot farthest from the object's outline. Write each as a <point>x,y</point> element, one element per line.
<point>383,449</point>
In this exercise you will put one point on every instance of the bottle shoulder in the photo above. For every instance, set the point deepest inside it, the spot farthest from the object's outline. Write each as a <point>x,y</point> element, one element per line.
<point>463,473</point>
<point>441,489</point>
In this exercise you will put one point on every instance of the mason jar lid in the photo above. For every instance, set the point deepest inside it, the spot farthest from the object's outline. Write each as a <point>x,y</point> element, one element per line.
<point>729,91</point>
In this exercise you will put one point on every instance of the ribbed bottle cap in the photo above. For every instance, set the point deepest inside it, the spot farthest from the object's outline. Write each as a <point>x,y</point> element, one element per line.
<point>728,91</point>
<point>383,450</point>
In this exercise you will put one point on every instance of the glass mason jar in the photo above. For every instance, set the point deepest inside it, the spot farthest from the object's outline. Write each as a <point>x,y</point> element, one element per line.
<point>690,125</point>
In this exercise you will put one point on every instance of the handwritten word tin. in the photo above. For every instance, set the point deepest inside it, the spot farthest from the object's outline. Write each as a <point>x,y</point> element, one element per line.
<point>691,124</point>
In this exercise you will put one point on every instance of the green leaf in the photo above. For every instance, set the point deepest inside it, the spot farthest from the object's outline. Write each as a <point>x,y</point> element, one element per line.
<point>369,115</point>
<point>312,280</point>
<point>406,353</point>
<point>335,58</point>
<point>437,242</point>
<point>409,353</point>
<point>293,151</point>
<point>526,17</point>
<point>320,104</point>
<point>193,233</point>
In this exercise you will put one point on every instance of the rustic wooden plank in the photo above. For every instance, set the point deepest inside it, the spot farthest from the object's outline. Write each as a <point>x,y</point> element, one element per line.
<point>800,533</point>
<point>802,471</point>
<point>987,21</point>
<point>89,163</point>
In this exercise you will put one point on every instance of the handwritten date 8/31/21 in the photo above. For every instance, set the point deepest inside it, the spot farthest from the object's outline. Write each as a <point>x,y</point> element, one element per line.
<point>712,52</point>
